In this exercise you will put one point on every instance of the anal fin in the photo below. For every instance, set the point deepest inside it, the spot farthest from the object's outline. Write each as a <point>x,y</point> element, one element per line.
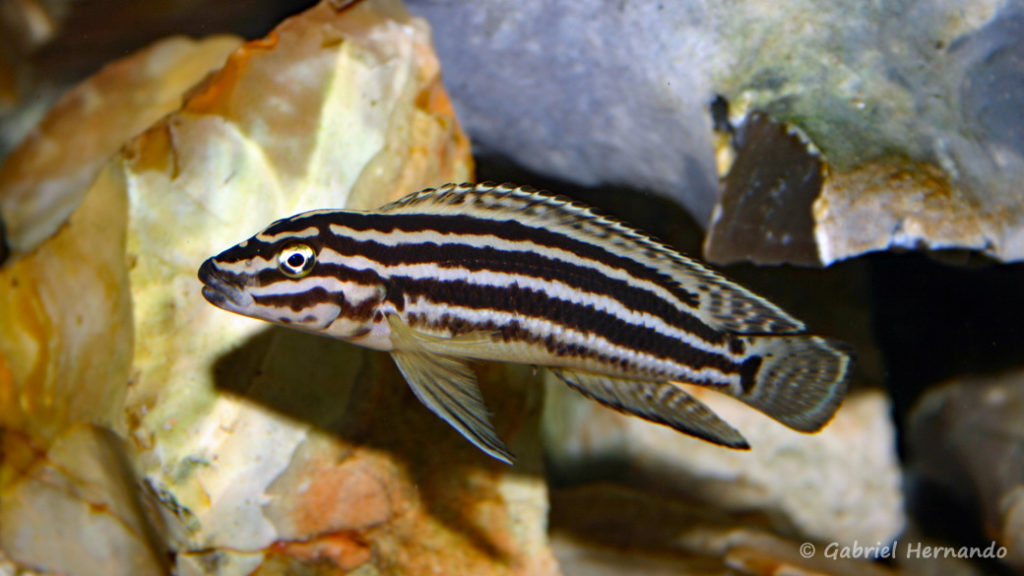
<point>448,387</point>
<point>660,402</point>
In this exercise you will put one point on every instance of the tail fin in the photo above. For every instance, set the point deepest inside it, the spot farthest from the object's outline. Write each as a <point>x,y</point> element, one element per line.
<point>799,380</point>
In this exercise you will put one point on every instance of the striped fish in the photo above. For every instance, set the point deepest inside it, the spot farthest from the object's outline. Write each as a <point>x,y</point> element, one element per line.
<point>499,273</point>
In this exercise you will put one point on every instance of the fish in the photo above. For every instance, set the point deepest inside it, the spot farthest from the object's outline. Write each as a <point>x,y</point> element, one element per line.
<point>450,276</point>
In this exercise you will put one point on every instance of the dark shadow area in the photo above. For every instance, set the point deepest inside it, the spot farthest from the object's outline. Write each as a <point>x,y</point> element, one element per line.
<point>95,33</point>
<point>935,321</point>
<point>945,517</point>
<point>626,518</point>
<point>358,396</point>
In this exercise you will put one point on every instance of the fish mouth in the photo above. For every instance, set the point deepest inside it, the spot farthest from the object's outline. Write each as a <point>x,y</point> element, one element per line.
<point>220,289</point>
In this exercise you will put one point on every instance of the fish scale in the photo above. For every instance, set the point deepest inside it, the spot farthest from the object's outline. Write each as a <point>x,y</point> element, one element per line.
<point>471,272</point>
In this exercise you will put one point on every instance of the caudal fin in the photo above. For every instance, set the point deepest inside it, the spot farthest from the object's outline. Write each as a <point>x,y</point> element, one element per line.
<point>798,380</point>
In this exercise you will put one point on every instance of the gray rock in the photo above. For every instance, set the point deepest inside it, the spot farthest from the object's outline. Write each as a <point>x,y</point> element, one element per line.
<point>589,91</point>
<point>915,107</point>
<point>967,437</point>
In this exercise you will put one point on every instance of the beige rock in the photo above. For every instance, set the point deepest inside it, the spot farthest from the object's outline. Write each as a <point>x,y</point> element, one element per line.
<point>77,509</point>
<point>65,325</point>
<point>609,529</point>
<point>265,450</point>
<point>275,451</point>
<point>66,330</point>
<point>885,205</point>
<point>842,484</point>
<point>45,179</point>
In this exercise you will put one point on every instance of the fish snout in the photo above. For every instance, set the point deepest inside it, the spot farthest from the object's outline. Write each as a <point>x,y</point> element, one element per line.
<point>222,289</point>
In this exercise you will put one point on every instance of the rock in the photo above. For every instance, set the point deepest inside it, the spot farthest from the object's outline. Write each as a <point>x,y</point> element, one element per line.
<point>68,500</point>
<point>275,451</point>
<point>77,509</point>
<point>263,450</point>
<point>842,484</point>
<point>965,437</point>
<point>48,46</point>
<point>44,180</point>
<point>764,211</point>
<point>914,110</point>
<point>608,529</point>
<point>65,326</point>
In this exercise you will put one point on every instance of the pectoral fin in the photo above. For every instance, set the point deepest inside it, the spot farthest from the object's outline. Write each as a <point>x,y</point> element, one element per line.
<point>661,402</point>
<point>448,387</point>
<point>469,345</point>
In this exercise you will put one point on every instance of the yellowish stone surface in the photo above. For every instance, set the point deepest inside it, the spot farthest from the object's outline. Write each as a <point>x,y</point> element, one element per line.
<point>250,449</point>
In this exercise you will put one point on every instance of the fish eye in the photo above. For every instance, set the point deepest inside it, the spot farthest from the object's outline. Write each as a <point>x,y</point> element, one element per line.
<point>296,261</point>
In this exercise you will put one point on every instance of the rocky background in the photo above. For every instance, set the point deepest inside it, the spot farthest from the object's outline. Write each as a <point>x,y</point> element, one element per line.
<point>858,163</point>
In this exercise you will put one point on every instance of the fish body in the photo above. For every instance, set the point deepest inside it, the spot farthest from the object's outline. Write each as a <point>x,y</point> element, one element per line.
<point>501,273</point>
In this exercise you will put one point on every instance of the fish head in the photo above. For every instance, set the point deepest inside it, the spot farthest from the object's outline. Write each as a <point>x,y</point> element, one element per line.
<point>285,275</point>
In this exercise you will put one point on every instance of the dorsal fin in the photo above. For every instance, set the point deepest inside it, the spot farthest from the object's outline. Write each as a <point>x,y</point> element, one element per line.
<point>723,304</point>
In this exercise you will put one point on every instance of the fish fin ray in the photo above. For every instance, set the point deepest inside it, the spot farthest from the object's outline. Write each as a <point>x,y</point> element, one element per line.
<point>448,387</point>
<point>798,380</point>
<point>661,402</point>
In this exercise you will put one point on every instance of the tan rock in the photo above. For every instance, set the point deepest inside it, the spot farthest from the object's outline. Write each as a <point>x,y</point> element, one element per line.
<point>77,509</point>
<point>65,325</point>
<point>265,450</point>
<point>842,484</point>
<point>45,179</point>
<point>612,529</point>
<point>890,204</point>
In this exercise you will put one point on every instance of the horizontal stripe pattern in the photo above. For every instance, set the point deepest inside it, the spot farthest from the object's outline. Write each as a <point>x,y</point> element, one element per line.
<point>719,301</point>
<point>490,266</point>
<point>736,310</point>
<point>497,273</point>
<point>454,229</point>
<point>557,275</point>
<point>564,330</point>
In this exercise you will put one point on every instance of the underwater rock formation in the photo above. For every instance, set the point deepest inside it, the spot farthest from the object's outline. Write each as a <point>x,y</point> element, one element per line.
<point>842,484</point>
<point>44,180</point>
<point>247,450</point>
<point>153,433</point>
<point>965,437</point>
<point>914,110</point>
